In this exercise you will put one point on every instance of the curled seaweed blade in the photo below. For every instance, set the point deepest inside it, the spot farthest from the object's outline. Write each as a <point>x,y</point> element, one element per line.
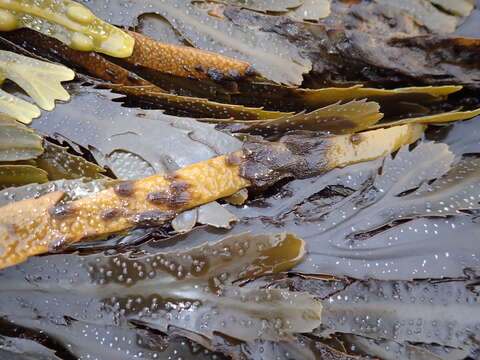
<point>193,290</point>
<point>69,22</point>
<point>392,101</point>
<point>17,142</point>
<point>368,228</point>
<point>115,131</point>
<point>85,340</point>
<point>40,79</point>
<point>420,94</point>
<point>336,118</point>
<point>17,108</point>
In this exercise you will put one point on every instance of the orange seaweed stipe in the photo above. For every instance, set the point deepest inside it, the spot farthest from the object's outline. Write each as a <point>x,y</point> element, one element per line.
<point>35,226</point>
<point>186,61</point>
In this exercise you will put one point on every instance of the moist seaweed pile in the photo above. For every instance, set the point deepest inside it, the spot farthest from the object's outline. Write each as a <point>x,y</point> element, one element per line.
<point>255,179</point>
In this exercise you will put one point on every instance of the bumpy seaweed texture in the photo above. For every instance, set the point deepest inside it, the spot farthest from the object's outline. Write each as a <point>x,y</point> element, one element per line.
<point>60,164</point>
<point>387,349</point>
<point>21,174</point>
<point>192,290</point>
<point>69,22</point>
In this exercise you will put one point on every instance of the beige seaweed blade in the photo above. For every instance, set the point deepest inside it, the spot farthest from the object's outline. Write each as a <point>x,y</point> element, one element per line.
<point>17,108</point>
<point>67,21</point>
<point>35,226</point>
<point>40,79</point>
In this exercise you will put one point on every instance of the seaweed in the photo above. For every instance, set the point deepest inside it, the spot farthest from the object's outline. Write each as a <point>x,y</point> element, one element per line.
<point>17,142</point>
<point>96,341</point>
<point>35,226</point>
<point>362,227</point>
<point>432,119</point>
<point>404,232</point>
<point>21,174</point>
<point>336,118</point>
<point>60,164</point>
<point>73,189</point>
<point>69,22</point>
<point>94,63</point>
<point>24,349</point>
<point>437,313</point>
<point>391,318</point>
<point>351,53</point>
<point>387,349</point>
<point>266,5</point>
<point>193,290</point>
<point>115,131</point>
<point>428,15</point>
<point>275,59</point>
<point>41,80</point>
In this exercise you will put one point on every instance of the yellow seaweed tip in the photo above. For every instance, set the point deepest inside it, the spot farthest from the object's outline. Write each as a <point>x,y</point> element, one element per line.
<point>80,14</point>
<point>118,44</point>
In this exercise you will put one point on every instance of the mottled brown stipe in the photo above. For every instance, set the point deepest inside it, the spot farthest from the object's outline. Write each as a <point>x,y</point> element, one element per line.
<point>40,224</point>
